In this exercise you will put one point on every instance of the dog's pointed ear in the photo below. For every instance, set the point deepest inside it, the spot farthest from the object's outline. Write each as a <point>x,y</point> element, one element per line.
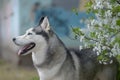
<point>45,24</point>
<point>41,20</point>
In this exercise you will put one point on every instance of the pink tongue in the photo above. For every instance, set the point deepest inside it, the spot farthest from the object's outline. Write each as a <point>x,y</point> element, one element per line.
<point>19,52</point>
<point>22,49</point>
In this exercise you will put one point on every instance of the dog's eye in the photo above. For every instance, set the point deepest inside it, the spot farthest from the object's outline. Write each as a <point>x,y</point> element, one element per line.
<point>29,34</point>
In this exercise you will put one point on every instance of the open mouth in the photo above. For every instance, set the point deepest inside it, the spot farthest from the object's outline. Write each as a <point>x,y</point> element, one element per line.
<point>26,48</point>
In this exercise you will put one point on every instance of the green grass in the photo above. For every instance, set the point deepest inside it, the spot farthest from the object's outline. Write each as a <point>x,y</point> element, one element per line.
<point>10,72</point>
<point>35,78</point>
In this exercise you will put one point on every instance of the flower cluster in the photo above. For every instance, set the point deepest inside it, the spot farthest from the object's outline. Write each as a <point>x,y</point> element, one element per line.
<point>104,30</point>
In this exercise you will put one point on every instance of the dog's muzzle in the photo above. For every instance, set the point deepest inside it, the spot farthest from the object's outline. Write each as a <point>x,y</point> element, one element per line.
<point>25,48</point>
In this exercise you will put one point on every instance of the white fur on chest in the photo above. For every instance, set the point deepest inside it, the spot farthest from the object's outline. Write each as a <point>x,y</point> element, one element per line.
<point>49,74</point>
<point>46,74</point>
<point>39,57</point>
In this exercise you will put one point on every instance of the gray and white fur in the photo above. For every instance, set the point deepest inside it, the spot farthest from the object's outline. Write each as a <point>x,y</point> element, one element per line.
<point>54,61</point>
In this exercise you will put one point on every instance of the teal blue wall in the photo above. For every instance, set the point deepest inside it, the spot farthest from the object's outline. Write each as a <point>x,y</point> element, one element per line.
<point>25,7</point>
<point>25,22</point>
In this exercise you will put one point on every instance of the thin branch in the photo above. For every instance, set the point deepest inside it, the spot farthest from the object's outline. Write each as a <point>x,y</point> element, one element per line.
<point>91,39</point>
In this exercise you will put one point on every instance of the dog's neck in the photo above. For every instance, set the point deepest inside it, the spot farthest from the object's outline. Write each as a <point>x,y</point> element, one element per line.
<point>39,56</point>
<point>49,58</point>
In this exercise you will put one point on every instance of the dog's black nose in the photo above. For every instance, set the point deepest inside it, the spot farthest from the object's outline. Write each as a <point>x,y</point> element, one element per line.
<point>14,39</point>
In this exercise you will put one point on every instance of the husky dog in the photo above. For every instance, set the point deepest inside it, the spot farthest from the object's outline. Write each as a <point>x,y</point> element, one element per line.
<point>54,61</point>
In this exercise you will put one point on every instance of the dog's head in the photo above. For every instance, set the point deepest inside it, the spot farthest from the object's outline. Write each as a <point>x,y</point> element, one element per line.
<point>34,38</point>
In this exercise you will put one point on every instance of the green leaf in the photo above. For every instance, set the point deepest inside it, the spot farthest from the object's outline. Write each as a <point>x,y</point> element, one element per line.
<point>100,57</point>
<point>117,40</point>
<point>118,57</point>
<point>77,31</point>
<point>106,26</point>
<point>89,10</point>
<point>118,22</point>
<point>116,9</point>
<point>95,11</point>
<point>112,1</point>
<point>92,34</point>
<point>75,10</point>
<point>35,78</point>
<point>76,37</point>
<point>89,4</point>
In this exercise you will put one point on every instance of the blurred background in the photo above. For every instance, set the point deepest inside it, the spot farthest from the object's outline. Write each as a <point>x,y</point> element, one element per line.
<point>16,16</point>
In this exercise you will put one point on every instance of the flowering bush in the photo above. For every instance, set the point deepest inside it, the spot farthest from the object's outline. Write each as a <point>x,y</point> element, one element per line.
<point>103,33</point>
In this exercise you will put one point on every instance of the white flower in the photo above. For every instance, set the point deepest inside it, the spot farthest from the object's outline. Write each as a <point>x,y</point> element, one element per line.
<point>98,53</point>
<point>94,49</point>
<point>88,26</point>
<point>98,5</point>
<point>108,5</point>
<point>94,22</point>
<point>81,38</point>
<point>108,14</point>
<point>115,50</point>
<point>105,63</point>
<point>119,14</point>
<point>80,47</point>
<point>100,23</point>
<point>104,47</point>
<point>99,36</point>
<point>100,62</point>
<point>111,61</point>
<point>106,36</point>
<point>86,45</point>
<point>114,21</point>
<point>106,22</point>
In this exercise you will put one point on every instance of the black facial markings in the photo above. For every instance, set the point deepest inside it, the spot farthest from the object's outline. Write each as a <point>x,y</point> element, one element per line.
<point>34,30</point>
<point>29,34</point>
<point>43,33</point>
<point>46,35</point>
